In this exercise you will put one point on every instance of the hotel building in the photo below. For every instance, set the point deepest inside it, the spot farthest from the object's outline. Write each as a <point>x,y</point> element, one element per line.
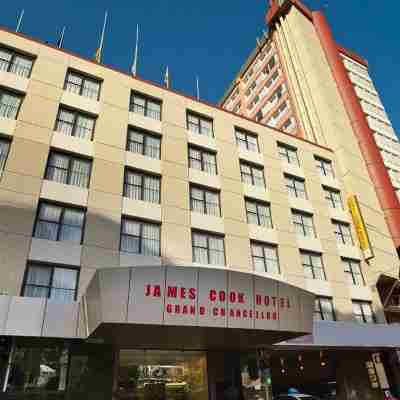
<point>154,246</point>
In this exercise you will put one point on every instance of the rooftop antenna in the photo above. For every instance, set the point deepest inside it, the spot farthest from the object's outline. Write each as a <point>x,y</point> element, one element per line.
<point>61,38</point>
<point>197,88</point>
<point>19,22</point>
<point>99,51</point>
<point>135,58</point>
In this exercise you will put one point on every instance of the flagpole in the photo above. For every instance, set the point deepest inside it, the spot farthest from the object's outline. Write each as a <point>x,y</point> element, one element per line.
<point>135,59</point>
<point>100,49</point>
<point>60,42</point>
<point>197,87</point>
<point>20,21</point>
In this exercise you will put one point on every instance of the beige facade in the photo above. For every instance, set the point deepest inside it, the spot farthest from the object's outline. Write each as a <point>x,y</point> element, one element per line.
<point>33,136</point>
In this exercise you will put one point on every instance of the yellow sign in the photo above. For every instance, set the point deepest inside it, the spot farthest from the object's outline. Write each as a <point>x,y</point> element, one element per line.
<point>359,225</point>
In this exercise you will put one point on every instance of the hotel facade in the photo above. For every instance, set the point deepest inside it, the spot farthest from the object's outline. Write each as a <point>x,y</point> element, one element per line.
<point>154,246</point>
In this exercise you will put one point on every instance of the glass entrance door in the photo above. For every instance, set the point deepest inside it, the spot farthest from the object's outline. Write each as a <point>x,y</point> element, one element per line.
<point>162,375</point>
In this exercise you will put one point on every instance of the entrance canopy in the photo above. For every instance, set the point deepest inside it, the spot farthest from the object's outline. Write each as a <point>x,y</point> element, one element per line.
<point>193,307</point>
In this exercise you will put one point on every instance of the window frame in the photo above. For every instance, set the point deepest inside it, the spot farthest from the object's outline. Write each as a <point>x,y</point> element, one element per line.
<point>11,92</point>
<point>59,224</point>
<point>252,168</point>
<point>264,246</point>
<point>4,158</point>
<point>321,164</point>
<point>71,157</point>
<point>15,53</point>
<point>349,272</point>
<point>208,235</point>
<point>199,118</point>
<point>202,151</point>
<point>286,154</point>
<point>205,190</point>
<point>143,175</point>
<point>311,266</point>
<point>146,135</point>
<point>76,114</point>
<point>85,78</point>
<point>142,222</point>
<point>53,267</point>
<point>320,308</point>
<point>146,99</point>
<point>247,135</point>
<point>328,192</point>
<point>258,204</point>
<point>293,188</point>
<point>339,233</point>
<point>303,214</point>
<point>361,304</point>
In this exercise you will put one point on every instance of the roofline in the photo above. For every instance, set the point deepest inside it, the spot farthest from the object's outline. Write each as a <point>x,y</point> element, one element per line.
<point>353,55</point>
<point>216,107</point>
<point>276,10</point>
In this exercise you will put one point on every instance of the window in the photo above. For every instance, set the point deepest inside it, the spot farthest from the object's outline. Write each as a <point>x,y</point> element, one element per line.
<point>74,123</point>
<point>312,265</point>
<point>323,309</point>
<point>52,282</point>
<point>15,63</point>
<point>251,174</point>
<point>145,106</point>
<point>82,85</point>
<point>199,124</point>
<point>353,272</point>
<point>145,143</point>
<point>265,257</point>
<point>333,197</point>
<point>4,148</point>
<point>67,169</point>
<point>59,223</point>
<point>296,187</point>
<point>258,213</point>
<point>362,312</point>
<point>325,167</point>
<point>140,237</point>
<point>303,223</point>
<point>202,160</point>
<point>9,104</point>
<point>205,201</point>
<point>208,248</point>
<point>141,186</point>
<point>246,140</point>
<point>343,233</point>
<point>288,154</point>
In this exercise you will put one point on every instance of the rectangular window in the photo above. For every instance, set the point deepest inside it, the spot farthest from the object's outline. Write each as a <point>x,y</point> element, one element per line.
<point>323,309</point>
<point>265,257</point>
<point>343,233</point>
<point>303,223</point>
<point>146,106</point>
<point>82,85</point>
<point>205,201</point>
<point>59,223</point>
<point>333,197</point>
<point>4,149</point>
<point>75,123</point>
<point>324,167</point>
<point>9,104</point>
<point>208,248</point>
<point>68,169</point>
<point>51,282</point>
<point>199,124</point>
<point>141,186</point>
<point>144,143</point>
<point>362,312</point>
<point>288,154</point>
<point>296,187</point>
<point>140,237</point>
<point>251,174</point>
<point>13,62</point>
<point>353,272</point>
<point>312,265</point>
<point>202,160</point>
<point>246,140</point>
<point>258,213</point>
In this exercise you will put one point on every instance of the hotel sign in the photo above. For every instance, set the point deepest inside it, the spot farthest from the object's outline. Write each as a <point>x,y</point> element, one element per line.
<point>194,296</point>
<point>360,227</point>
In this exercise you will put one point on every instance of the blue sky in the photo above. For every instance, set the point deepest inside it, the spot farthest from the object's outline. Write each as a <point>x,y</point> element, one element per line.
<point>211,38</point>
